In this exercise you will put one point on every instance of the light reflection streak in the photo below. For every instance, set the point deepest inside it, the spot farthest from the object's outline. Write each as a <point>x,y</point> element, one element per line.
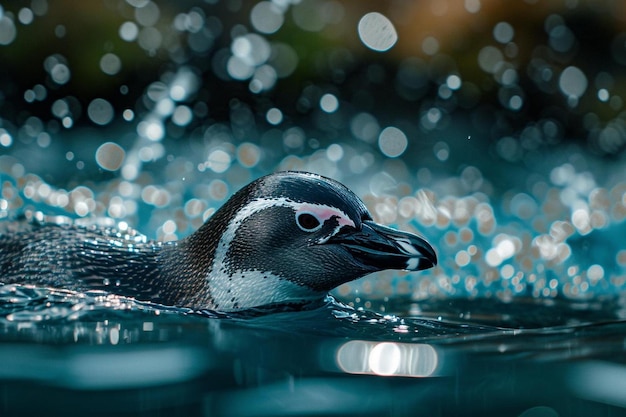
<point>388,358</point>
<point>599,381</point>
<point>84,369</point>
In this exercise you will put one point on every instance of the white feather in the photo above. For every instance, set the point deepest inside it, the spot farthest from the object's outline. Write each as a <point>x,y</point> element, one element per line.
<point>254,288</point>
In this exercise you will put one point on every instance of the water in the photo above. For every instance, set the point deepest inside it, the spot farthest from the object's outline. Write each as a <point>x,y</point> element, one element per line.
<point>103,354</point>
<point>496,132</point>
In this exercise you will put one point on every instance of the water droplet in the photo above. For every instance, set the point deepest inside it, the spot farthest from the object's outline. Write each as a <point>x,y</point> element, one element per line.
<point>128,31</point>
<point>573,82</point>
<point>266,17</point>
<point>329,103</point>
<point>110,64</point>
<point>503,32</point>
<point>7,30</point>
<point>392,142</point>
<point>377,32</point>
<point>100,111</point>
<point>110,156</point>
<point>274,116</point>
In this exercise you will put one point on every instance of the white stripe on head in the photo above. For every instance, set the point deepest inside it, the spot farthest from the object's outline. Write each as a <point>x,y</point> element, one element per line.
<point>253,288</point>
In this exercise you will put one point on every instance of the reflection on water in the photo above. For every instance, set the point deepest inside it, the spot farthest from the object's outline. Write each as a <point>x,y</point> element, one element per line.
<point>387,358</point>
<point>495,129</point>
<point>86,349</point>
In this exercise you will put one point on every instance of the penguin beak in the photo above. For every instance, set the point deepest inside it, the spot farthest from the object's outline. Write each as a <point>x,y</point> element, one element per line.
<point>380,247</point>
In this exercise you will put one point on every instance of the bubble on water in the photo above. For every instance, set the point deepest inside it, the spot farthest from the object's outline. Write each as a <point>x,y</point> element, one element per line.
<point>284,59</point>
<point>148,14</point>
<point>263,79</point>
<point>248,154</point>
<point>156,91</point>
<point>274,116</point>
<point>194,207</point>
<point>430,45</point>
<point>329,103</point>
<point>32,126</point>
<point>218,190</point>
<point>561,39</point>
<point>524,206</point>
<point>489,58</point>
<point>151,152</point>
<point>462,258</point>
<point>150,39</point>
<point>612,137</point>
<point>100,111</point>
<point>8,32</point>
<point>56,66</point>
<point>266,17</point>
<point>511,98</point>
<point>313,16</point>
<point>334,152</point>
<point>507,76</point>
<point>192,21</point>
<point>155,196</point>
<point>110,64</point>
<point>60,31</point>
<point>29,96</point>
<point>377,32</point>
<point>182,115</point>
<point>110,156</point>
<point>364,126</point>
<point>60,108</point>
<point>442,151</point>
<point>250,51</point>
<point>392,142</point>
<point>184,83</point>
<point>129,31</point>
<point>573,82</point>
<point>25,16</point>
<point>151,128</point>
<point>137,3</point>
<point>294,138</point>
<point>238,69</point>
<point>5,138</point>
<point>472,6</point>
<point>503,32</point>
<point>251,48</point>
<point>44,139</point>
<point>218,161</point>
<point>582,221</point>
<point>453,82</point>
<point>39,7</point>
<point>164,107</point>
<point>38,92</point>
<point>431,118</point>
<point>60,73</point>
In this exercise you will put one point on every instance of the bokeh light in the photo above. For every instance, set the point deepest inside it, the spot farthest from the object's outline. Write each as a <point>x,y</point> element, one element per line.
<point>497,132</point>
<point>377,32</point>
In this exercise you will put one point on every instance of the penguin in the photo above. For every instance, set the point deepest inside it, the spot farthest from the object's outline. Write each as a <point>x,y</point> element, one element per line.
<point>285,238</point>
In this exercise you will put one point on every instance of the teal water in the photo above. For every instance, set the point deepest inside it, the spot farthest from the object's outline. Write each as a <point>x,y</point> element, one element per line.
<point>100,354</point>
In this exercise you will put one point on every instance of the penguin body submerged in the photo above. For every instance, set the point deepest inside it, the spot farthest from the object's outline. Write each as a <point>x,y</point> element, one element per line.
<point>287,237</point>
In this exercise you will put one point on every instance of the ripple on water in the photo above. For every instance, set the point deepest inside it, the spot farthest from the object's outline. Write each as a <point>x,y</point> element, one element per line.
<point>28,307</point>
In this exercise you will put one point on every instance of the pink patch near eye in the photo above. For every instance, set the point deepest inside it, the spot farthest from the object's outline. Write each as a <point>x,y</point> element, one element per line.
<point>324,213</point>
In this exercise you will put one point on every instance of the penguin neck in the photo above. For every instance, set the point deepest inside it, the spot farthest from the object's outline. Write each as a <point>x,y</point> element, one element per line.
<point>228,286</point>
<point>186,265</point>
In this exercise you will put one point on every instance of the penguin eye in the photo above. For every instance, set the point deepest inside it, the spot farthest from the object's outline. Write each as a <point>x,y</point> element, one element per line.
<point>308,222</point>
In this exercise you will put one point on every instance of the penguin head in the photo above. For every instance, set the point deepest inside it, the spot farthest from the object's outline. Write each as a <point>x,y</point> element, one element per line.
<point>292,236</point>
